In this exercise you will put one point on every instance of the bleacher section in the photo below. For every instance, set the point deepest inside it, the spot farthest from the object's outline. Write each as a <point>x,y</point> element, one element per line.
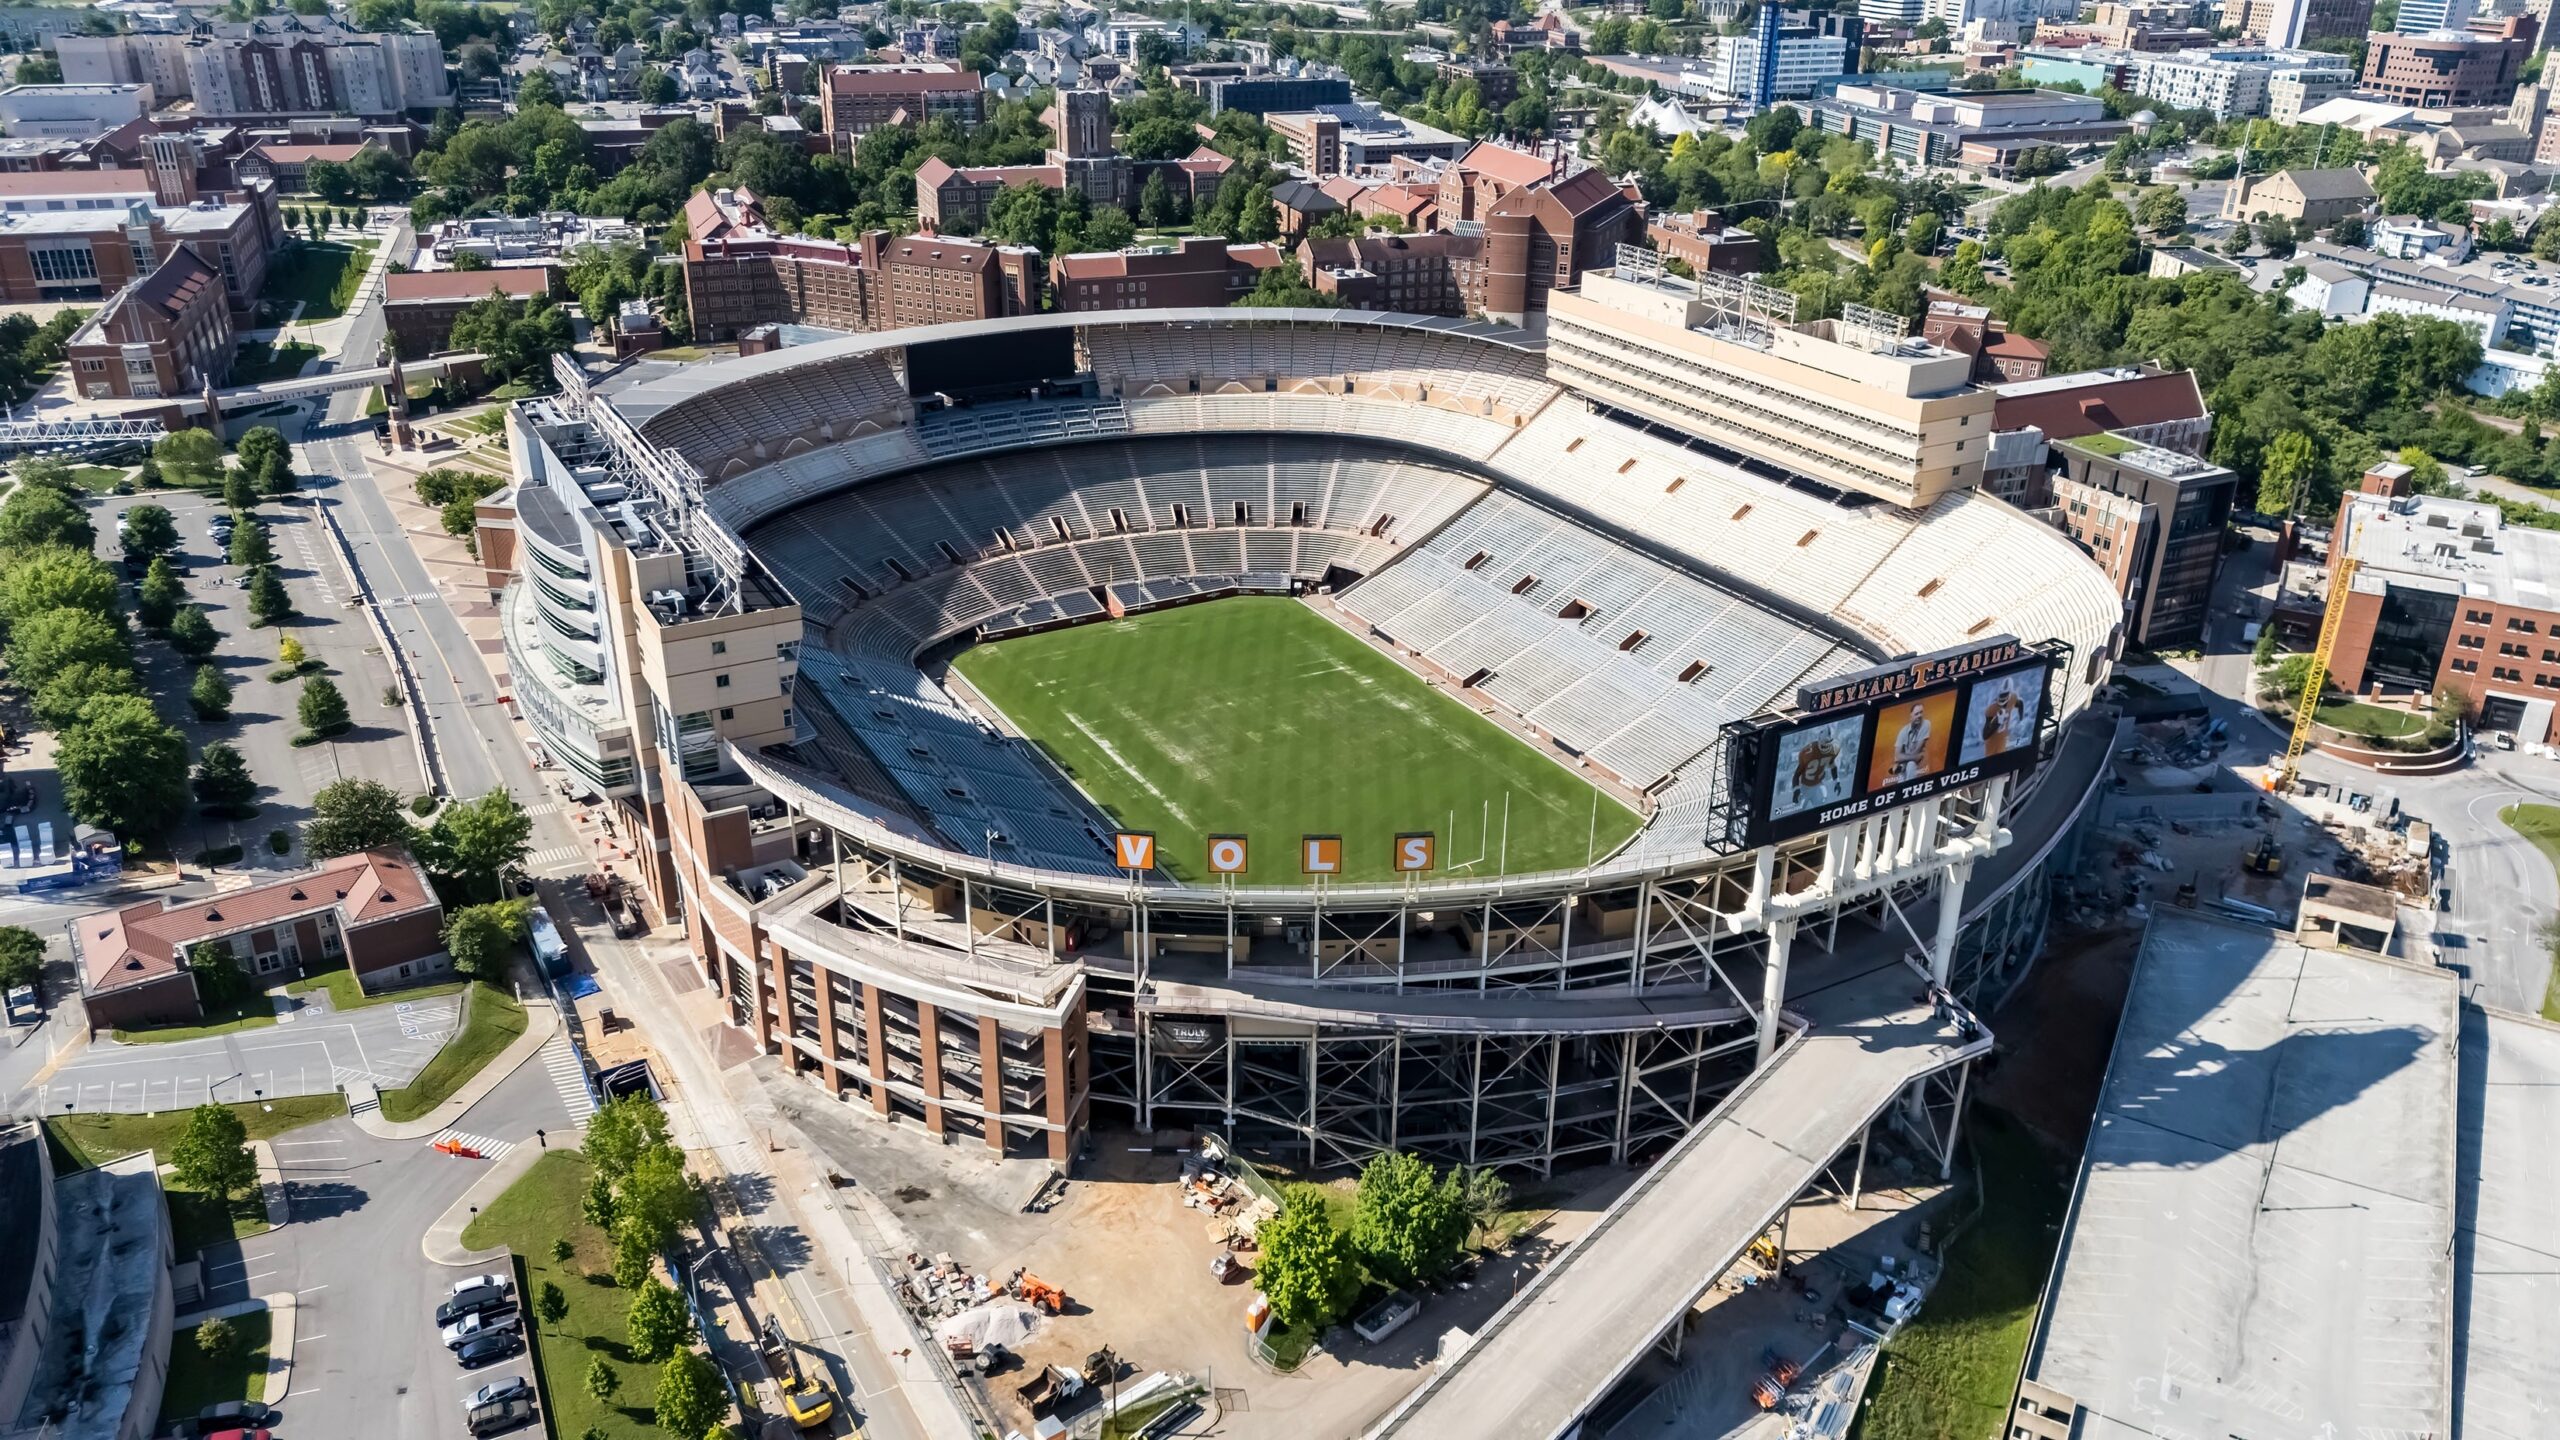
<point>1447,431</point>
<point>737,427</point>
<point>1620,657</point>
<point>1416,364</point>
<point>1909,581</point>
<point>1026,541</point>
<point>980,789</point>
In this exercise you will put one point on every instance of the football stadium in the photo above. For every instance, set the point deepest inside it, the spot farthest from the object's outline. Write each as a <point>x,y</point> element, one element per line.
<point>1633,743</point>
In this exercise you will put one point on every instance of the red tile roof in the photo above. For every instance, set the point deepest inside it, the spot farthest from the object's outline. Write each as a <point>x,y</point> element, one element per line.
<point>1512,167</point>
<point>305,154</point>
<point>516,282</point>
<point>173,284</point>
<point>2107,402</point>
<point>146,942</point>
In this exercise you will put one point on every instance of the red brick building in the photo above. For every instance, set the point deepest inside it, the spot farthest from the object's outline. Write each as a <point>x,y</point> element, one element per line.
<point>1201,271</point>
<point>858,99</point>
<point>739,274</point>
<point>1440,273</point>
<point>373,911</point>
<point>1705,243</point>
<point>419,308</point>
<point>2448,71</point>
<point>166,334</point>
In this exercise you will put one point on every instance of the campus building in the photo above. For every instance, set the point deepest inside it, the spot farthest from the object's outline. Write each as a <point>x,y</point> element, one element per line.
<point>418,309</point>
<point>858,99</point>
<point>374,911</point>
<point>271,67</point>
<point>739,274</point>
<point>166,334</point>
<point>1982,129</point>
<point>1202,270</point>
<point>2449,69</point>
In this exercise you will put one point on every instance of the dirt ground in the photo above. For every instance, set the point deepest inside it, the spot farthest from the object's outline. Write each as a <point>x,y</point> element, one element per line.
<point>1134,1262</point>
<point>2056,1032</point>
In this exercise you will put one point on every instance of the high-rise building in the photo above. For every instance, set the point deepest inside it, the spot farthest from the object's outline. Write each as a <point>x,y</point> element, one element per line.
<point>858,99</point>
<point>2290,24</point>
<point>274,66</point>
<point>2426,17</point>
<point>2449,70</point>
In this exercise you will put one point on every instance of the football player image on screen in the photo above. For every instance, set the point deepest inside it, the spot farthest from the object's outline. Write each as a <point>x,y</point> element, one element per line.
<point>1913,739</point>
<point>2000,717</point>
<point>1817,766</point>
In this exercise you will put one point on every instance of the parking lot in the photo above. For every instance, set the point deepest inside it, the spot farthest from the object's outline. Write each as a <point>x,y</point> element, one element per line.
<point>310,1051</point>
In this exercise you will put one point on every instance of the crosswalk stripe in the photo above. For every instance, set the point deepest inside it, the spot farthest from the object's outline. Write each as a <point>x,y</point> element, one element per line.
<point>553,855</point>
<point>568,1077</point>
<point>489,1149</point>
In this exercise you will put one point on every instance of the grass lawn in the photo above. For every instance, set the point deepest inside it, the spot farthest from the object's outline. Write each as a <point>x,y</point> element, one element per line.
<point>344,994</point>
<point>196,1219</point>
<point>1949,1374</point>
<point>250,1012</point>
<point>491,1021</point>
<point>535,1211</point>
<point>2541,825</point>
<point>196,1380</point>
<point>313,272</point>
<point>258,362</point>
<point>2378,721</point>
<point>100,479</point>
<point>1258,715</point>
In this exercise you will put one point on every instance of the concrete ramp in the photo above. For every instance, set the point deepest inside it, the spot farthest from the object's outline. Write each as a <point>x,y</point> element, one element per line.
<point>1549,1356</point>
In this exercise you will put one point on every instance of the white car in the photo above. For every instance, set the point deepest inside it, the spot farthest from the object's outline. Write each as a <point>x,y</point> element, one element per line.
<point>495,1280</point>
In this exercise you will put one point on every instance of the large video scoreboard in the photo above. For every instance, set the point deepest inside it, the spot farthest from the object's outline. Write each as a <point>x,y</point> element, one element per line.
<point>1865,742</point>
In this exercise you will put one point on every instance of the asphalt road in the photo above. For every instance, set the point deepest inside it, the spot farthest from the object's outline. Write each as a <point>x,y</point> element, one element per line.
<point>477,748</point>
<point>366,1357</point>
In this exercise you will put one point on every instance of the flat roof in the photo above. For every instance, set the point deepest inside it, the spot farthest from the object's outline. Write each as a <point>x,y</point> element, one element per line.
<point>111,1267</point>
<point>2448,544</point>
<point>2260,1241</point>
<point>2506,1283</point>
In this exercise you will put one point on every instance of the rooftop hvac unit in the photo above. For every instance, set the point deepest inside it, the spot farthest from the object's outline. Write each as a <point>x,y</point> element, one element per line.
<point>668,605</point>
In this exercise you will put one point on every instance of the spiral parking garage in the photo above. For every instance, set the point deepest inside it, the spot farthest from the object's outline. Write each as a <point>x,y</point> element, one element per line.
<point>739,583</point>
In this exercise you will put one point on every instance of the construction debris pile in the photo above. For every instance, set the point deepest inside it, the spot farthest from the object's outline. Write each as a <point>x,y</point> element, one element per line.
<point>938,1288</point>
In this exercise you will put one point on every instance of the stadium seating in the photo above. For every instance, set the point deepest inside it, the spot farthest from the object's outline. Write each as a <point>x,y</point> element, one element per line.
<point>1416,363</point>
<point>756,422</point>
<point>1620,656</point>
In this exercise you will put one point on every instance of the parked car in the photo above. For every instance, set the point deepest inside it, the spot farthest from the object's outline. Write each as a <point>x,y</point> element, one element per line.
<point>471,1302</point>
<point>487,1349</point>
<point>480,1322</point>
<point>234,1415</point>
<point>500,1415</point>
<point>502,1283</point>
<point>497,1390</point>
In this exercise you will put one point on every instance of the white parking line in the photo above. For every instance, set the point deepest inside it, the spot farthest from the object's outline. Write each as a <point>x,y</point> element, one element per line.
<point>314,1290</point>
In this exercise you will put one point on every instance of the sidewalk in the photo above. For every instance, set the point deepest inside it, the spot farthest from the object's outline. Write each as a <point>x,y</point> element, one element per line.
<point>541,1023</point>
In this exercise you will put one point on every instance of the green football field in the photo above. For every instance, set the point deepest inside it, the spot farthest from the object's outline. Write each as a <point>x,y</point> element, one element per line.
<point>1256,716</point>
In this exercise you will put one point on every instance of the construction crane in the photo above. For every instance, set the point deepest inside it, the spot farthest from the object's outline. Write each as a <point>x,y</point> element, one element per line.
<point>2342,572</point>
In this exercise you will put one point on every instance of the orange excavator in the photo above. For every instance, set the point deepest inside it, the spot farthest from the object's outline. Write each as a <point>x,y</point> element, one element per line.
<point>1035,1291</point>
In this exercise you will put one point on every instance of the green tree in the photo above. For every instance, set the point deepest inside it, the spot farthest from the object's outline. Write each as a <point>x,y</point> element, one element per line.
<point>44,644</point>
<point>239,492</point>
<point>223,784</point>
<point>631,1261</point>
<point>1155,202</point>
<point>216,972</point>
<point>2161,210</point>
<point>188,457</point>
<point>67,691</point>
<point>660,1324</point>
<point>268,602</point>
<point>657,87</point>
<point>211,1153</point>
<point>2284,680</point>
<point>191,634</point>
<point>690,1398</point>
<point>352,815</point>
<point>479,840</point>
<point>290,654</point>
<point>210,694</point>
<point>250,547</point>
<point>21,956</point>
<point>597,1204</point>
<point>553,1307</point>
<point>161,594</point>
<point>1411,1221</point>
<point>216,1339</point>
<point>323,710</point>
<point>2426,473</point>
<point>619,1134</point>
<point>1309,1270</point>
<point>148,532</point>
<point>656,1200</point>
<point>58,578</point>
<point>481,937</point>
<point>267,460</point>
<point>2284,470</point>
<point>602,1379</point>
<point>2263,653</point>
<point>123,768</point>
<point>35,515</point>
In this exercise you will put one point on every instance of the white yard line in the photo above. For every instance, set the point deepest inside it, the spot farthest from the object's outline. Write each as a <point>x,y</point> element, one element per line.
<point>1113,752</point>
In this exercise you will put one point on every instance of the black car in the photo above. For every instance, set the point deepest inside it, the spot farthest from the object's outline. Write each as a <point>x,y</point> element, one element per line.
<point>501,1415</point>
<point>488,1348</point>
<point>472,1302</point>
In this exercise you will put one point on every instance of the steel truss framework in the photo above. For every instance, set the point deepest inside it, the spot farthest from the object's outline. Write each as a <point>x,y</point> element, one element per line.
<point>1336,1095</point>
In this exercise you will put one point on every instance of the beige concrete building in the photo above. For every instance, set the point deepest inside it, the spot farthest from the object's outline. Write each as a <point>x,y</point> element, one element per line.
<point>1873,410</point>
<point>2318,197</point>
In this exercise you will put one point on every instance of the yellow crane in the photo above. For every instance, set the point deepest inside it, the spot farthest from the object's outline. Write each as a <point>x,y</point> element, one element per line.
<point>2342,571</point>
